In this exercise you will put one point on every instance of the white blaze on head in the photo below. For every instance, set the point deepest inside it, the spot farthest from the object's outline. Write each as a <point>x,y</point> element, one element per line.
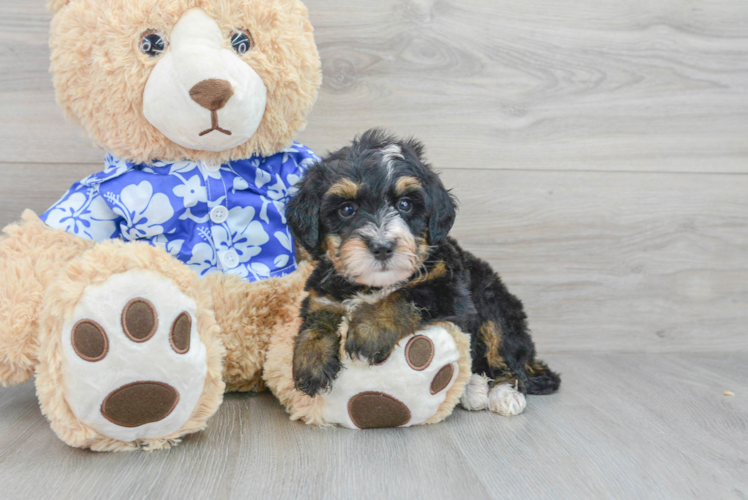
<point>197,54</point>
<point>389,154</point>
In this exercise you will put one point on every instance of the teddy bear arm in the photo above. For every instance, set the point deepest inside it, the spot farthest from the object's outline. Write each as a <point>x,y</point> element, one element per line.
<point>421,391</point>
<point>249,314</point>
<point>31,256</point>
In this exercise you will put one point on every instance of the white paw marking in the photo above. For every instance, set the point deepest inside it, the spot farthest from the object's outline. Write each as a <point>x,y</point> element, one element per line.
<point>397,379</point>
<point>475,397</point>
<point>505,400</point>
<point>156,359</point>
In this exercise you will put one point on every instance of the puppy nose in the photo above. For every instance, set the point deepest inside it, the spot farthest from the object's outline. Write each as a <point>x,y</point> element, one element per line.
<point>212,94</point>
<point>382,250</point>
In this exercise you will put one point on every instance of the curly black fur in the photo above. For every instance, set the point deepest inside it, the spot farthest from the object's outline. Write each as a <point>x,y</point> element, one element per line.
<point>451,284</point>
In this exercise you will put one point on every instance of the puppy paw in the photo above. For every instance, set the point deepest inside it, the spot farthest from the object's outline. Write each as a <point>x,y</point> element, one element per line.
<point>370,342</point>
<point>135,366</point>
<point>313,376</point>
<point>367,348</point>
<point>375,329</point>
<point>505,400</point>
<point>407,389</point>
<point>475,397</point>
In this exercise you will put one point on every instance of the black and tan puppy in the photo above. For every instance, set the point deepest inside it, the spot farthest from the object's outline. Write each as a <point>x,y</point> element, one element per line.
<point>376,217</point>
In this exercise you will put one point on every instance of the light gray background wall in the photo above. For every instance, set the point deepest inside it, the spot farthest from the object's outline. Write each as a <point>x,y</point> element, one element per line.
<point>599,149</point>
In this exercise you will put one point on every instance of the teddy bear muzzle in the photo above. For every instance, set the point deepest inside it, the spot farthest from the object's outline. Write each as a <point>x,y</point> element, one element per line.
<point>226,100</point>
<point>213,95</point>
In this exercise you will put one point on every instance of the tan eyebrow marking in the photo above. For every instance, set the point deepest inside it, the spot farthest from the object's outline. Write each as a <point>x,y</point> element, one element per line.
<point>407,184</point>
<point>344,188</point>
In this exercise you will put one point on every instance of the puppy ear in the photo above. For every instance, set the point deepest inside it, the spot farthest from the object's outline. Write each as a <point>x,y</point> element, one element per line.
<point>442,205</point>
<point>302,211</point>
<point>443,211</point>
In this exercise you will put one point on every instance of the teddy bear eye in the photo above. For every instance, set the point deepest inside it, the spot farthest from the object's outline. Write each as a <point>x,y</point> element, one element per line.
<point>153,43</point>
<point>241,42</point>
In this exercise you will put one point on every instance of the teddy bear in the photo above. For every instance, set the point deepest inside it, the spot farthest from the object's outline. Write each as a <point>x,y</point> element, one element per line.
<point>171,277</point>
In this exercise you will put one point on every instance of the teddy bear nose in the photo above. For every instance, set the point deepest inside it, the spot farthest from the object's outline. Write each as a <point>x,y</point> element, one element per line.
<point>212,94</point>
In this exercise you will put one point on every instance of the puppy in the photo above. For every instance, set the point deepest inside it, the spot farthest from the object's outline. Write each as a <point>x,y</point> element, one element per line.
<point>376,218</point>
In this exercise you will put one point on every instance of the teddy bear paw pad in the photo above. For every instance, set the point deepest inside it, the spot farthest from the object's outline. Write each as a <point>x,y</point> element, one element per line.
<point>407,389</point>
<point>375,409</point>
<point>135,366</point>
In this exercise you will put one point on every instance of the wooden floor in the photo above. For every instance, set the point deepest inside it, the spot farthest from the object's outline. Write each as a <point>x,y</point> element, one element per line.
<point>624,426</point>
<point>600,153</point>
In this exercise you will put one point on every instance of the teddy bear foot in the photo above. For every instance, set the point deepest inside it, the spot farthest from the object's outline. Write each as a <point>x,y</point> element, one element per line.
<point>129,350</point>
<point>135,365</point>
<point>407,389</point>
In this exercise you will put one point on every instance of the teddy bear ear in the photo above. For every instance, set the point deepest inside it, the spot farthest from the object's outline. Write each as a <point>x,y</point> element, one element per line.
<point>55,5</point>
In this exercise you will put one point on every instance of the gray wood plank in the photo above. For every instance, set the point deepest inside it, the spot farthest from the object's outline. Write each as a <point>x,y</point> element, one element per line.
<point>615,262</point>
<point>603,261</point>
<point>37,186</point>
<point>520,84</point>
<point>623,426</point>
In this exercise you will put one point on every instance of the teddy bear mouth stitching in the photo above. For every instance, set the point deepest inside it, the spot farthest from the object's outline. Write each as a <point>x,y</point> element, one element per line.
<point>212,94</point>
<point>214,126</point>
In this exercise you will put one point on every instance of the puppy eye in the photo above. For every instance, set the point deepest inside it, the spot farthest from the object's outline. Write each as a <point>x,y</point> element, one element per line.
<point>242,42</point>
<point>405,205</point>
<point>153,43</point>
<point>347,211</point>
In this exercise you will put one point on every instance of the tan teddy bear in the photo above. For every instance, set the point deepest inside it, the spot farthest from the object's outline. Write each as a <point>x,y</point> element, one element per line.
<point>154,286</point>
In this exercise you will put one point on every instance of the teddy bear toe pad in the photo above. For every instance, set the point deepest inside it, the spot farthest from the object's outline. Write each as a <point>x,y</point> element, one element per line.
<point>139,403</point>
<point>134,363</point>
<point>407,389</point>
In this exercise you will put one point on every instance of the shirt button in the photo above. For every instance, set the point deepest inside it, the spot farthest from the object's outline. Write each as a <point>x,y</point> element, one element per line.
<point>219,214</point>
<point>212,167</point>
<point>230,259</point>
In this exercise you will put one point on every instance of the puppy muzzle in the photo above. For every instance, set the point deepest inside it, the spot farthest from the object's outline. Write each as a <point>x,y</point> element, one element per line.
<point>382,250</point>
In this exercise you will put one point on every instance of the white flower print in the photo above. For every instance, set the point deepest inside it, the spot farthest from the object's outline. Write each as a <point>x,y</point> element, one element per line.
<point>181,167</point>
<point>192,191</point>
<point>240,184</point>
<point>279,194</point>
<point>172,247</point>
<point>114,167</point>
<point>293,182</point>
<point>85,215</point>
<point>308,162</point>
<point>143,211</point>
<point>203,260</point>
<point>264,210</point>
<point>290,153</point>
<point>260,269</point>
<point>262,178</point>
<point>281,261</point>
<point>240,233</point>
<point>284,240</point>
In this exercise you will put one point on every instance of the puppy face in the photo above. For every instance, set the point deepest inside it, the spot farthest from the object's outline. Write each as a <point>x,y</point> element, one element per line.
<point>373,209</point>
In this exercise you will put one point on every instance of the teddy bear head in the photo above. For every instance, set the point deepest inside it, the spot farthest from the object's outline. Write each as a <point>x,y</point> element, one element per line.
<point>211,80</point>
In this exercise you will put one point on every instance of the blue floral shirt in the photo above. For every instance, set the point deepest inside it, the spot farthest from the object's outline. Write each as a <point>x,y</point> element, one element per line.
<point>228,218</point>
